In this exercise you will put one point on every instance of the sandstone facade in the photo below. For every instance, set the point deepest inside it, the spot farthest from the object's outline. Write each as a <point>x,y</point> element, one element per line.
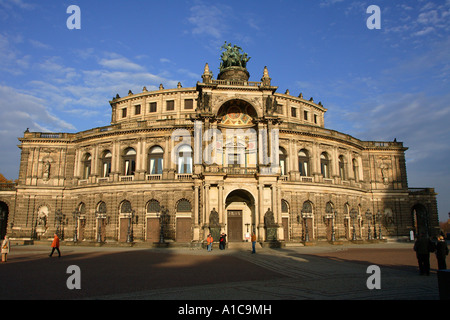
<point>228,155</point>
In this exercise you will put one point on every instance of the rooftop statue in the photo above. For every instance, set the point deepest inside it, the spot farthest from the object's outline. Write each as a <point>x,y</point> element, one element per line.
<point>232,57</point>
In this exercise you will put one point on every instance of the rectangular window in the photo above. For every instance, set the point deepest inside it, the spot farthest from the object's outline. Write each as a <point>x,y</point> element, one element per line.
<point>294,112</point>
<point>280,108</point>
<point>170,105</point>
<point>234,160</point>
<point>315,118</point>
<point>124,112</point>
<point>137,109</point>
<point>188,104</point>
<point>152,106</point>
<point>305,115</point>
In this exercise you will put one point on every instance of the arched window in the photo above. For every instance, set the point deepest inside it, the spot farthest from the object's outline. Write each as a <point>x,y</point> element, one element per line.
<point>282,156</point>
<point>87,159</point>
<point>101,207</point>
<point>284,206</point>
<point>106,164</point>
<point>307,207</point>
<point>82,208</point>
<point>346,209</point>
<point>303,162</point>
<point>153,206</point>
<point>155,162</point>
<point>325,165</point>
<point>129,161</point>
<point>125,207</point>
<point>355,169</point>
<point>342,174</point>
<point>184,206</point>
<point>329,207</point>
<point>184,159</point>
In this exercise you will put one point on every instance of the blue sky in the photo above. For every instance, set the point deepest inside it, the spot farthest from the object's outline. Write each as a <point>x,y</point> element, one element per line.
<point>376,84</point>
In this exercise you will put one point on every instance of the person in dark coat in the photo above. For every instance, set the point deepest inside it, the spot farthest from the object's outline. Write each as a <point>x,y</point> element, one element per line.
<point>423,246</point>
<point>441,253</point>
<point>222,241</point>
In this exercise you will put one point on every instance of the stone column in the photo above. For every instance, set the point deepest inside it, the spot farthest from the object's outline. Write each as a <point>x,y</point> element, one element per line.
<point>260,215</point>
<point>196,210</point>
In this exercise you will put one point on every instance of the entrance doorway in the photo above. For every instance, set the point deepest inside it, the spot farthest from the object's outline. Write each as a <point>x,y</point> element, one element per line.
<point>234,225</point>
<point>240,208</point>
<point>420,220</point>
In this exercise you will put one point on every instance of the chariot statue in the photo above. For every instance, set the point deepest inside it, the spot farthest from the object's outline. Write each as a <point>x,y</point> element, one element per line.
<point>233,56</point>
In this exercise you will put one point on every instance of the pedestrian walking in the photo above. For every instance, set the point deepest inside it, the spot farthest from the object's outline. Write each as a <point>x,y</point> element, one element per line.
<point>5,248</point>
<point>423,246</point>
<point>441,253</point>
<point>55,246</point>
<point>253,242</point>
<point>209,241</point>
<point>222,241</point>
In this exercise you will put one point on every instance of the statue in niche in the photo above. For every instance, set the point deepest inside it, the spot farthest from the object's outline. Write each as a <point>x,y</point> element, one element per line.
<point>204,102</point>
<point>214,226</point>
<point>269,220</point>
<point>214,218</point>
<point>42,219</point>
<point>271,105</point>
<point>270,226</point>
<point>384,173</point>
<point>47,167</point>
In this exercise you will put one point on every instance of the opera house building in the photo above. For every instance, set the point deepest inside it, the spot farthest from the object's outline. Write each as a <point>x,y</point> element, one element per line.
<point>229,156</point>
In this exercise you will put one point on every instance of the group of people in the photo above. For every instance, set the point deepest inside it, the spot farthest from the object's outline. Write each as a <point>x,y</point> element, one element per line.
<point>223,242</point>
<point>424,246</point>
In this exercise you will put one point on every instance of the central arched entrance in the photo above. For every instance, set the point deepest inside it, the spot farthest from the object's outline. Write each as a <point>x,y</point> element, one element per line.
<point>240,215</point>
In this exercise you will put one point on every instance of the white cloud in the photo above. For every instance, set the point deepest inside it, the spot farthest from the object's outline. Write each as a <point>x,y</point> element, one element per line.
<point>12,61</point>
<point>39,45</point>
<point>327,3</point>
<point>21,110</point>
<point>424,31</point>
<point>210,20</point>
<point>120,63</point>
<point>9,4</point>
<point>430,19</point>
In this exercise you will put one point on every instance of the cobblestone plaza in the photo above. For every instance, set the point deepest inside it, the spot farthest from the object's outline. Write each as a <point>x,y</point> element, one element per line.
<point>317,272</point>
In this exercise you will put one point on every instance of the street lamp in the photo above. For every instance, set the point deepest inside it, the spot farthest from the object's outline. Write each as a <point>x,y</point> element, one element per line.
<point>100,214</point>
<point>353,216</point>
<point>60,220</point>
<point>305,216</point>
<point>379,215</point>
<point>333,231</point>
<point>130,226</point>
<point>163,217</point>
<point>76,215</point>
<point>369,218</point>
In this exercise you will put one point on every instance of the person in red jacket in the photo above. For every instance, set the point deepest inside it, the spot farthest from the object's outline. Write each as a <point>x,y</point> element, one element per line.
<point>55,245</point>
